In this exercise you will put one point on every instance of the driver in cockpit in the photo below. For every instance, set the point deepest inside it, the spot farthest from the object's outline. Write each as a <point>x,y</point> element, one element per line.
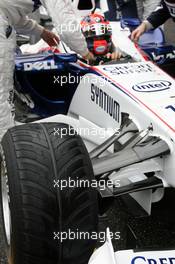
<point>98,34</point>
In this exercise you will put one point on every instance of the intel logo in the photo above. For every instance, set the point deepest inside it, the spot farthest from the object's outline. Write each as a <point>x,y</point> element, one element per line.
<point>152,86</point>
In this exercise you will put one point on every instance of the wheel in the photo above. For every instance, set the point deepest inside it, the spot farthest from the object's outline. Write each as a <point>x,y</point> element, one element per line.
<point>34,208</point>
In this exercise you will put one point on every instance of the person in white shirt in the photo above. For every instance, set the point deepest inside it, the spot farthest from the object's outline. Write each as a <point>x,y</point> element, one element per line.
<point>146,7</point>
<point>13,18</point>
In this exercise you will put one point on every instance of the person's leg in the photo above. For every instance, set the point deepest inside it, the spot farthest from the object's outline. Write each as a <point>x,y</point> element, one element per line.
<point>111,13</point>
<point>128,9</point>
<point>149,6</point>
<point>7,48</point>
<point>97,3</point>
<point>139,4</point>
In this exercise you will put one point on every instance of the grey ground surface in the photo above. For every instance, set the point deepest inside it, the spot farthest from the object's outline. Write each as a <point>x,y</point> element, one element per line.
<point>150,230</point>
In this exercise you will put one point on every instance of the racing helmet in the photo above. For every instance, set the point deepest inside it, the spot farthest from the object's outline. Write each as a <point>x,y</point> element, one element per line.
<point>98,34</point>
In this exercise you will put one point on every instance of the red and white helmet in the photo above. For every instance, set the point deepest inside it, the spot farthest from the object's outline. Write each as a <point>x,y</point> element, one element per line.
<point>98,33</point>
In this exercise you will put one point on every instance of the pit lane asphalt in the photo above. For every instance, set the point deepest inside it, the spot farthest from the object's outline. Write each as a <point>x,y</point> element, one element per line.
<point>161,232</point>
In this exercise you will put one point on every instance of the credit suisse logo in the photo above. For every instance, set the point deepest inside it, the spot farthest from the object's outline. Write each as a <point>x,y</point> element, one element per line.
<point>143,260</point>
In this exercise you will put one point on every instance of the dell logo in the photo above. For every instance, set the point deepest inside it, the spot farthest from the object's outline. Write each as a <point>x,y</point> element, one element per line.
<point>40,65</point>
<point>152,86</point>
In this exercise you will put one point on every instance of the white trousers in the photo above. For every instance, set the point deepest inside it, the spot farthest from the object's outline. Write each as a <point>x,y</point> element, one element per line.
<point>146,7</point>
<point>7,62</point>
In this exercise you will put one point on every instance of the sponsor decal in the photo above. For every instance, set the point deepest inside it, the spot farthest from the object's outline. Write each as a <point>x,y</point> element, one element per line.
<point>167,56</point>
<point>143,260</point>
<point>152,86</point>
<point>100,49</point>
<point>170,107</point>
<point>105,102</point>
<point>128,69</point>
<point>43,65</point>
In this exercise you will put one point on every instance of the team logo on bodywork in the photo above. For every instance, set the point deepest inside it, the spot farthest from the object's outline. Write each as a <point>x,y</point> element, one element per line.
<point>143,260</point>
<point>105,102</point>
<point>40,65</point>
<point>152,86</point>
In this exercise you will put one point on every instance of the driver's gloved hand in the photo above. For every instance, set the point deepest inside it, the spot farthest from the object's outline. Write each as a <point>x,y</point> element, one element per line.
<point>89,57</point>
<point>115,55</point>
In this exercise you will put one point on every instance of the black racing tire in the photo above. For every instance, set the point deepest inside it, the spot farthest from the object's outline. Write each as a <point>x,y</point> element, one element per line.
<point>34,158</point>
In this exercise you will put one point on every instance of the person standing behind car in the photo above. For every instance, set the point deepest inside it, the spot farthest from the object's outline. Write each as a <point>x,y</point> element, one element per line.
<point>114,9</point>
<point>146,7</point>
<point>163,12</point>
<point>13,15</point>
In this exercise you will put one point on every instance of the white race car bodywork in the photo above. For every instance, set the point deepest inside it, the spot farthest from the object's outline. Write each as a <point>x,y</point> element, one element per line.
<point>106,255</point>
<point>125,85</point>
<point>147,95</point>
<point>140,89</point>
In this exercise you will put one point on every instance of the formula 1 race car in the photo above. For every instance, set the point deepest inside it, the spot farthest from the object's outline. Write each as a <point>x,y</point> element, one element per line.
<point>90,135</point>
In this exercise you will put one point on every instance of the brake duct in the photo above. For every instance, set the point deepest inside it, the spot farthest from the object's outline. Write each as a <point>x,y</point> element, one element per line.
<point>139,147</point>
<point>139,152</point>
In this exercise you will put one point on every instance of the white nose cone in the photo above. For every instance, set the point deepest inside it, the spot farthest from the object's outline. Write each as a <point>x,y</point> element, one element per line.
<point>104,254</point>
